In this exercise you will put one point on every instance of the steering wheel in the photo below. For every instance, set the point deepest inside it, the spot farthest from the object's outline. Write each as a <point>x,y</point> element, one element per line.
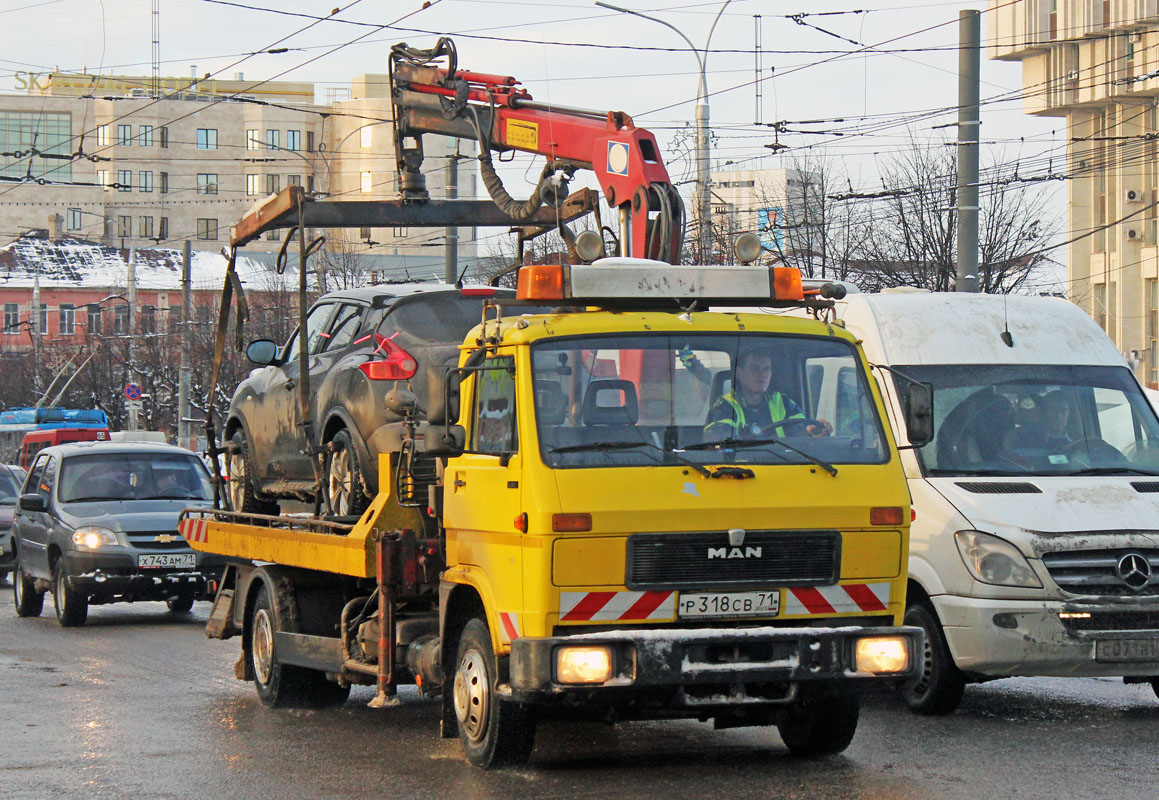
<point>799,426</point>
<point>1095,451</point>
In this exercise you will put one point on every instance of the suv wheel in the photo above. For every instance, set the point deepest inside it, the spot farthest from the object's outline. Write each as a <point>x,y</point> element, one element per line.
<point>72,608</point>
<point>28,601</point>
<point>180,605</point>
<point>344,479</point>
<point>242,496</point>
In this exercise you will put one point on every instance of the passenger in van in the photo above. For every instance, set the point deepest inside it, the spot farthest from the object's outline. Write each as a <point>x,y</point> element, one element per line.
<point>752,410</point>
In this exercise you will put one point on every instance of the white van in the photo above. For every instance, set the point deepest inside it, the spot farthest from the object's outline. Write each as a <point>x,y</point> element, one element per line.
<point>1035,544</point>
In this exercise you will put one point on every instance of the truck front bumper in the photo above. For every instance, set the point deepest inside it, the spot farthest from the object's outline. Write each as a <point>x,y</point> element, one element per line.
<point>707,667</point>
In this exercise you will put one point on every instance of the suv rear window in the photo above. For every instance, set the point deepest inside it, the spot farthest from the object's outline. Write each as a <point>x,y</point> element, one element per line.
<point>133,476</point>
<point>439,317</point>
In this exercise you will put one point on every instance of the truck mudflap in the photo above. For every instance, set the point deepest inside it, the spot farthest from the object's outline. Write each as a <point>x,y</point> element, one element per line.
<point>710,666</point>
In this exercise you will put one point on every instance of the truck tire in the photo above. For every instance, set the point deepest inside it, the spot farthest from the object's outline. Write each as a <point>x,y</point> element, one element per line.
<point>282,685</point>
<point>28,601</point>
<point>242,495</point>
<point>72,607</point>
<point>344,479</point>
<point>494,732</point>
<point>937,690</point>
<point>822,724</point>
<point>1155,686</point>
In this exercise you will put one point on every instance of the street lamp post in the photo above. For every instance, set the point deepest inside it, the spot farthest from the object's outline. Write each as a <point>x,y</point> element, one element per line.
<point>703,179</point>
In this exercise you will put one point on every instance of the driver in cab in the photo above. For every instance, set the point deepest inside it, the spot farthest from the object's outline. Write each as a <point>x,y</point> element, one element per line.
<point>754,411</point>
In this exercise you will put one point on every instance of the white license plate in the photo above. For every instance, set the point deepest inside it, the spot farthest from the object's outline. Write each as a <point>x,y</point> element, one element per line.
<point>729,604</point>
<point>166,561</point>
<point>1127,650</point>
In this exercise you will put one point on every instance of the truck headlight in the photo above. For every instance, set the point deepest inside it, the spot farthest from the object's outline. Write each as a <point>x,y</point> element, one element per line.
<point>575,664</point>
<point>882,654</point>
<point>92,537</point>
<point>993,560</point>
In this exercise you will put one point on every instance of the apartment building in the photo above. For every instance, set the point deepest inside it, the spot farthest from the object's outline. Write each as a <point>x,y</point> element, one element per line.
<point>1096,65</point>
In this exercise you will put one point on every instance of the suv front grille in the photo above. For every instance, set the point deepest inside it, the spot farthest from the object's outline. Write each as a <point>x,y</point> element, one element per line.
<point>147,540</point>
<point>1095,572</point>
<point>706,560</point>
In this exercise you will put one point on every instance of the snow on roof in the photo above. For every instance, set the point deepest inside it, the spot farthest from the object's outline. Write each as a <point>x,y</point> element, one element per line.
<point>74,262</point>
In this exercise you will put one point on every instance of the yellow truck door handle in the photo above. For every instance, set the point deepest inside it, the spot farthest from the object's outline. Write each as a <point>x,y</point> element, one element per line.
<point>459,482</point>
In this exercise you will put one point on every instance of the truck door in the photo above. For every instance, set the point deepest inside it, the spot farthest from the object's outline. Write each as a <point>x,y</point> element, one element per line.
<point>483,495</point>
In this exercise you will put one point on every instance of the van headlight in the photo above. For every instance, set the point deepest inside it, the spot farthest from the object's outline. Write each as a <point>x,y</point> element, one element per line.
<point>92,537</point>
<point>994,560</point>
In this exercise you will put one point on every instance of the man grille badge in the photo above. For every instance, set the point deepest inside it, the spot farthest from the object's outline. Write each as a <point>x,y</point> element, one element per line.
<point>1134,570</point>
<point>736,537</point>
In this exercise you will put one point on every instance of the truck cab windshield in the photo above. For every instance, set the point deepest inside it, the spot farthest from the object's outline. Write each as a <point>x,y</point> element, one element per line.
<point>1037,420</point>
<point>681,399</point>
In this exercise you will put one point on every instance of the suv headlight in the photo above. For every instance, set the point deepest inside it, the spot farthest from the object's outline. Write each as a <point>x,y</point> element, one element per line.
<point>991,559</point>
<point>93,537</point>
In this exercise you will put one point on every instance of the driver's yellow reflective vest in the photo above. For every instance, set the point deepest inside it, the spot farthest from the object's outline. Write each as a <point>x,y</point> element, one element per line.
<point>778,412</point>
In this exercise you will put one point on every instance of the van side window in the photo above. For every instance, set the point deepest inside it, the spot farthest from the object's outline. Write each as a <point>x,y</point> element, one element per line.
<point>493,428</point>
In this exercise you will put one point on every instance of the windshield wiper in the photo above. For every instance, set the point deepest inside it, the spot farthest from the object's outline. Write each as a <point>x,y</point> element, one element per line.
<point>576,448</point>
<point>93,499</point>
<point>733,444</point>
<point>1112,471</point>
<point>173,497</point>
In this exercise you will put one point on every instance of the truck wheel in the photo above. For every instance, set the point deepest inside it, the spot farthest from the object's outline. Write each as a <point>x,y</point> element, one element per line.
<point>937,690</point>
<point>72,608</point>
<point>494,732</point>
<point>179,605</point>
<point>242,495</point>
<point>28,601</point>
<point>1155,686</point>
<point>344,477</point>
<point>282,685</point>
<point>821,725</point>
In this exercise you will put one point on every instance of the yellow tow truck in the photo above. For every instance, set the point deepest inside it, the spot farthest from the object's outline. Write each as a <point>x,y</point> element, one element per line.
<point>607,533</point>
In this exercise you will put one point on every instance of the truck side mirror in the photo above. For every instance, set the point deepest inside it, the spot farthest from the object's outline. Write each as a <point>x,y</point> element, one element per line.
<point>262,352</point>
<point>436,406</point>
<point>919,413</point>
<point>451,397</point>
<point>32,502</point>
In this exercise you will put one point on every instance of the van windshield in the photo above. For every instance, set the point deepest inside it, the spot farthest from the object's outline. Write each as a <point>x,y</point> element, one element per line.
<point>640,400</point>
<point>1036,420</point>
<point>133,476</point>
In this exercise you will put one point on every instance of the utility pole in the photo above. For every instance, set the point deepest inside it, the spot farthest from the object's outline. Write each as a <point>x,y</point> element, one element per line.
<point>183,430</point>
<point>36,328</point>
<point>969,122</point>
<point>451,232</point>
<point>131,315</point>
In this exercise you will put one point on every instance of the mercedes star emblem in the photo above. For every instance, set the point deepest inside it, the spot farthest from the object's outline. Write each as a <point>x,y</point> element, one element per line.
<point>1134,570</point>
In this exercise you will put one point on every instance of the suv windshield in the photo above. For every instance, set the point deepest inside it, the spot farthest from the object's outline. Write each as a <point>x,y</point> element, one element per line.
<point>133,476</point>
<point>637,400</point>
<point>1037,420</point>
<point>9,487</point>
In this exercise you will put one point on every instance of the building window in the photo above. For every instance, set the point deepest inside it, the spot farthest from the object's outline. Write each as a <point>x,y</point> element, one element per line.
<point>146,135</point>
<point>366,184</point>
<point>273,184</point>
<point>365,136</point>
<point>174,318</point>
<point>293,180</point>
<point>125,180</point>
<point>43,319</point>
<point>253,185</point>
<point>121,319</point>
<point>207,138</point>
<point>126,224</point>
<point>309,141</point>
<point>163,229</point>
<point>11,318</point>
<point>74,219</point>
<point>207,229</point>
<point>165,136</point>
<point>67,319</point>
<point>103,136</point>
<point>96,322</point>
<point>1151,292</point>
<point>164,183</point>
<point>293,140</point>
<point>124,135</point>
<point>253,139</point>
<point>272,140</point>
<point>145,180</point>
<point>1113,311</point>
<point>364,234</point>
<point>1100,308</point>
<point>49,133</point>
<point>310,183</point>
<point>146,228</point>
<point>148,319</point>
<point>206,183</point>
<point>103,178</point>
<point>273,236</point>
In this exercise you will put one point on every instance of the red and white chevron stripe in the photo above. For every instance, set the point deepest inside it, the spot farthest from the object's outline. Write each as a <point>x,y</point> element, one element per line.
<point>194,530</point>
<point>607,606</point>
<point>836,599</point>
<point>508,626</point>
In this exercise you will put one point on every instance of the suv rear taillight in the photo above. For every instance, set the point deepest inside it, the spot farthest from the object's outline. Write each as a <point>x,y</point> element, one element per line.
<point>396,365</point>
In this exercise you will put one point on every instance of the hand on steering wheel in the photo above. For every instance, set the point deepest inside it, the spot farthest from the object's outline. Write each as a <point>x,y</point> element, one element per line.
<point>813,427</point>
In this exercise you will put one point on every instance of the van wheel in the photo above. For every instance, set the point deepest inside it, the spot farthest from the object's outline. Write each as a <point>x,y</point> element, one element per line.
<point>179,605</point>
<point>937,690</point>
<point>28,601</point>
<point>72,607</point>
<point>242,495</point>
<point>493,732</point>
<point>344,479</point>
<point>820,725</point>
<point>1155,686</point>
<point>281,685</point>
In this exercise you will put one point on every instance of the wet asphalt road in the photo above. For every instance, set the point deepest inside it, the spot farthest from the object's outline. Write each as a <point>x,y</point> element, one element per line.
<point>140,704</point>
